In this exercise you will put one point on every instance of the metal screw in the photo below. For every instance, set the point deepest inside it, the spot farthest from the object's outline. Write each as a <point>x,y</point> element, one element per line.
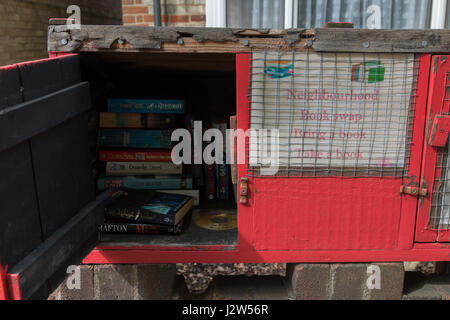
<point>309,43</point>
<point>366,44</point>
<point>180,41</point>
<point>424,43</point>
<point>64,42</point>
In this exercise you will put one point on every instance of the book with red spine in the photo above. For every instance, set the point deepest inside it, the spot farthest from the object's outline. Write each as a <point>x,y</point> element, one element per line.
<point>210,182</point>
<point>138,155</point>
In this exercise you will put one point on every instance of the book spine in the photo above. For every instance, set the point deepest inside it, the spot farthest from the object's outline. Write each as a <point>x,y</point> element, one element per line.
<point>135,120</point>
<point>135,155</point>
<point>191,193</point>
<point>146,106</point>
<point>222,181</point>
<point>210,183</point>
<point>142,168</point>
<point>141,217</point>
<point>153,183</point>
<point>157,139</point>
<point>111,227</point>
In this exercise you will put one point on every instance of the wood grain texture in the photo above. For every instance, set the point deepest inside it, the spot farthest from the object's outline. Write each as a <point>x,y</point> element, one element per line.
<point>34,270</point>
<point>30,118</point>
<point>170,39</point>
<point>135,38</point>
<point>365,40</point>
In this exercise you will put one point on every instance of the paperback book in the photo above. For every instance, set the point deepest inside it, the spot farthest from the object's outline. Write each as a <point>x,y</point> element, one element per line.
<point>145,182</point>
<point>146,106</point>
<point>194,193</point>
<point>141,155</point>
<point>147,206</point>
<point>158,139</point>
<point>136,120</point>
<point>140,228</point>
<point>142,168</point>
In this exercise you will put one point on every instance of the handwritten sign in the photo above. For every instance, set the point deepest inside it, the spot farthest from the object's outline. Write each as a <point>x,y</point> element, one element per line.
<point>333,110</point>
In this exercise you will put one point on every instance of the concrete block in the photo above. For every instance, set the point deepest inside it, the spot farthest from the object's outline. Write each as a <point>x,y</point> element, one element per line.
<point>155,281</point>
<point>308,281</point>
<point>114,282</point>
<point>86,291</point>
<point>392,276</point>
<point>348,281</point>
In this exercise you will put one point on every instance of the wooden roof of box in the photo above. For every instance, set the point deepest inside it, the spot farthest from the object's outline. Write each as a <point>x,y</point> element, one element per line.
<point>88,38</point>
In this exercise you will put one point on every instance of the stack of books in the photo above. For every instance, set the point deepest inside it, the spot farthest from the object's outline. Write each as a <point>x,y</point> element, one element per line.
<point>135,141</point>
<point>146,212</point>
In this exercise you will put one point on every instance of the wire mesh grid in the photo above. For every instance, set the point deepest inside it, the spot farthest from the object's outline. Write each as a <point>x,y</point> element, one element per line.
<point>334,114</point>
<point>440,198</point>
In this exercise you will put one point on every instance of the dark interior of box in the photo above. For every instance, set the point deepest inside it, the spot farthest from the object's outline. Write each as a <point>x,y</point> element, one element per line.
<point>206,83</point>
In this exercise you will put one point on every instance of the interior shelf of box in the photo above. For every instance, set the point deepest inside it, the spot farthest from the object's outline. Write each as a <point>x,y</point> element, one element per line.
<point>192,234</point>
<point>207,85</point>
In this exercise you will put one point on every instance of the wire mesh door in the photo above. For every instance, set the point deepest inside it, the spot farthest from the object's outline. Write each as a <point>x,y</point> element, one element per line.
<point>332,139</point>
<point>433,219</point>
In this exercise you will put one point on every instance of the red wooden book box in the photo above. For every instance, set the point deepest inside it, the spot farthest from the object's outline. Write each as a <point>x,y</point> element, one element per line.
<point>363,169</point>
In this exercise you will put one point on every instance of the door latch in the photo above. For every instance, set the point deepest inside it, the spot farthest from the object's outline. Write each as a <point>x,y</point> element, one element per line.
<point>413,191</point>
<point>244,191</point>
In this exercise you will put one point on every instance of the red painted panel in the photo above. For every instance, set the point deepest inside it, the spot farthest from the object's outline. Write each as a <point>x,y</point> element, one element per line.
<point>435,106</point>
<point>326,213</point>
<point>14,287</point>
<point>409,203</point>
<point>428,253</point>
<point>439,131</point>
<point>3,285</point>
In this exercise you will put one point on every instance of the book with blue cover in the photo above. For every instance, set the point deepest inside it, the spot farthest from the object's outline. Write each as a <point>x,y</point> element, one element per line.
<point>122,138</point>
<point>146,106</point>
<point>145,182</point>
<point>147,206</point>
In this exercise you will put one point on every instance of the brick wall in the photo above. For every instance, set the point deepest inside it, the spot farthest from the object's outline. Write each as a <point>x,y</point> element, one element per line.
<point>24,23</point>
<point>181,13</point>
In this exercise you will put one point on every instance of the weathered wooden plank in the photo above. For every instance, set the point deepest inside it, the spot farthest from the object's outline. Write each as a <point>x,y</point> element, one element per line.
<point>10,88</point>
<point>169,39</point>
<point>27,119</point>
<point>40,78</point>
<point>34,270</point>
<point>62,171</point>
<point>365,40</point>
<point>20,229</point>
<point>131,38</point>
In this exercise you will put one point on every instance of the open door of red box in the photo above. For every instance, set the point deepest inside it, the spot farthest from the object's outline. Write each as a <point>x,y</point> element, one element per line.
<point>49,211</point>
<point>433,221</point>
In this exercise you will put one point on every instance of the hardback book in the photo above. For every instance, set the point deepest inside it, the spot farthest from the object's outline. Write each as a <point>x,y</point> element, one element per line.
<point>136,120</point>
<point>172,106</point>
<point>158,139</point>
<point>142,168</point>
<point>194,193</point>
<point>140,228</point>
<point>145,182</point>
<point>222,169</point>
<point>222,186</point>
<point>197,169</point>
<point>147,206</point>
<point>140,155</point>
<point>210,182</point>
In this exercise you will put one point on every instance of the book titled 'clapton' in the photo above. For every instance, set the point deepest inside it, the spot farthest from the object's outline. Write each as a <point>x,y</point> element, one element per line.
<point>146,106</point>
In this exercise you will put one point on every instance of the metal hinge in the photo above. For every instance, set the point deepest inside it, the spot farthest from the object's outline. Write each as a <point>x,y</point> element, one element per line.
<point>413,191</point>
<point>244,192</point>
